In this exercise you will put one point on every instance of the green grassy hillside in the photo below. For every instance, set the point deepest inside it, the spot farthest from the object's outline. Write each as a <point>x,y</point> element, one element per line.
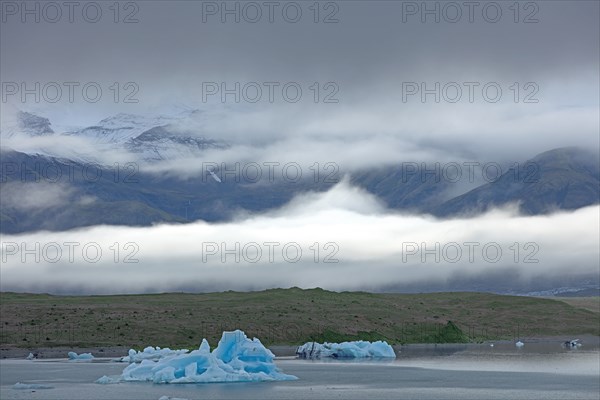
<point>283,316</point>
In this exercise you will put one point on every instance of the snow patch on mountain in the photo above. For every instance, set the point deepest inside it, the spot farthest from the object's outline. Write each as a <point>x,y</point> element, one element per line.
<point>134,137</point>
<point>25,123</point>
<point>121,128</point>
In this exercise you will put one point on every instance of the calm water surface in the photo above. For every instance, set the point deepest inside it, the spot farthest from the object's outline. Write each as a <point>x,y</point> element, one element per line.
<point>537,371</point>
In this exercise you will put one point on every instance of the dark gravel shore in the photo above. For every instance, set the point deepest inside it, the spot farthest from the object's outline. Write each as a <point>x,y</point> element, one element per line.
<point>61,352</point>
<point>104,352</point>
<point>589,341</point>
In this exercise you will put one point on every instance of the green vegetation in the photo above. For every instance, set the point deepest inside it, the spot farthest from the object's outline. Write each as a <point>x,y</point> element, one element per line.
<point>588,303</point>
<point>283,316</point>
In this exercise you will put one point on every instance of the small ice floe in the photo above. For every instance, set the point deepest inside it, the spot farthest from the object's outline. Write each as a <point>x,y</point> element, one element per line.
<point>107,380</point>
<point>80,357</point>
<point>357,349</point>
<point>30,356</point>
<point>519,344</point>
<point>30,386</point>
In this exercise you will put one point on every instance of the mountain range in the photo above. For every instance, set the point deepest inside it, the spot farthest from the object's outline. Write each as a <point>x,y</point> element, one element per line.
<point>559,179</point>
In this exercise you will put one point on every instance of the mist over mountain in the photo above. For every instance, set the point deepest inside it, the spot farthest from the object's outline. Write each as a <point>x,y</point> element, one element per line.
<point>131,194</point>
<point>145,139</point>
<point>559,179</point>
<point>28,124</point>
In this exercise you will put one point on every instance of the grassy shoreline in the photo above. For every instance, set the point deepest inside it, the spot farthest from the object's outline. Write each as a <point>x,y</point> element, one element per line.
<point>283,317</point>
<point>284,351</point>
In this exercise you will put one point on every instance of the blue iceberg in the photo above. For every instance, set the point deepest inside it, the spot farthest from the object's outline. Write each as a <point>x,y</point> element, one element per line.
<point>357,349</point>
<point>80,357</point>
<point>235,359</point>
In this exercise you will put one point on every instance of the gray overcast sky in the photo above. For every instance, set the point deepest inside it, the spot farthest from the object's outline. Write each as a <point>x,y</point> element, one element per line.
<point>368,55</point>
<point>550,49</point>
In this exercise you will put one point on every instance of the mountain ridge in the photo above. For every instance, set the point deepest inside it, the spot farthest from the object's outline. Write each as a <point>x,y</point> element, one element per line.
<point>558,179</point>
<point>568,179</point>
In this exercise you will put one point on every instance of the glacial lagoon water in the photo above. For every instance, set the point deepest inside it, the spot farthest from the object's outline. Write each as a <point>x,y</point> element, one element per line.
<point>536,371</point>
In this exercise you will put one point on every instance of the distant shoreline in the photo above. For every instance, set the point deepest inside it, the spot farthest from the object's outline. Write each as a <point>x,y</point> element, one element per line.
<point>17,353</point>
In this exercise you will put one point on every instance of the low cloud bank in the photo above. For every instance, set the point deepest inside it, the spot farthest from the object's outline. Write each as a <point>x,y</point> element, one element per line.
<point>343,239</point>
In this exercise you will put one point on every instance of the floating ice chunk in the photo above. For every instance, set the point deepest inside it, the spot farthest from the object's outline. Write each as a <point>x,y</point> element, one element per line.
<point>519,344</point>
<point>151,353</point>
<point>235,359</point>
<point>107,380</point>
<point>357,349</point>
<point>80,357</point>
<point>27,386</point>
<point>30,356</point>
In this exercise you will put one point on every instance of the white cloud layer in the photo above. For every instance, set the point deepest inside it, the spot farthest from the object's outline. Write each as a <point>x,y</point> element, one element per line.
<point>374,248</point>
